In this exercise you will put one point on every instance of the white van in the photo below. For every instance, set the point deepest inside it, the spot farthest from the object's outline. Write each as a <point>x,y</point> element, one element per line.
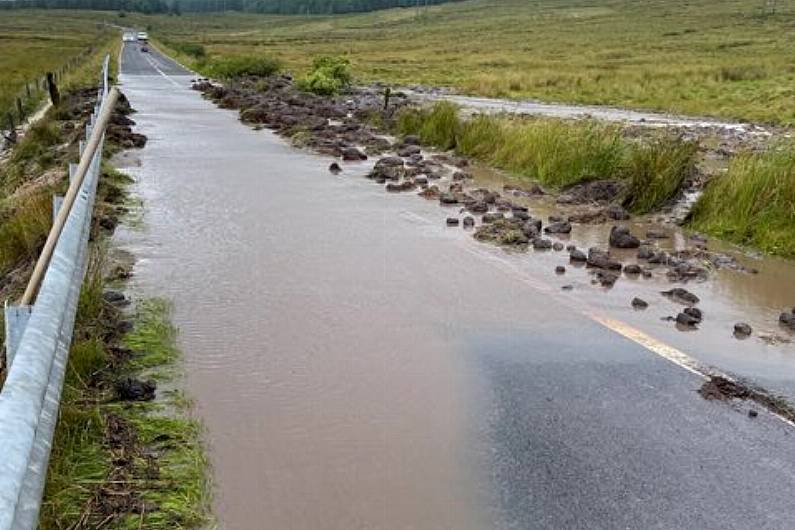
<point>142,36</point>
<point>128,37</point>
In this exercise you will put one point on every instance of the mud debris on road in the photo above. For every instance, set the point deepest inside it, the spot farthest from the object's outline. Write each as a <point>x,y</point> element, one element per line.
<point>341,127</point>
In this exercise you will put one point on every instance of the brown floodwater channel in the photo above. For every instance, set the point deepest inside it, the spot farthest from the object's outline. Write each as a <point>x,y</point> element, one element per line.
<point>329,328</point>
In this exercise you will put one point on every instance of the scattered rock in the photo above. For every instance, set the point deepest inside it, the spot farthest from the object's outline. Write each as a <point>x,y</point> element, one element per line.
<point>577,256</point>
<point>639,303</point>
<point>560,269</point>
<point>541,243</point>
<point>606,278</point>
<point>452,221</point>
<point>601,260</point>
<point>469,221</point>
<point>787,319</point>
<point>114,297</point>
<point>620,237</point>
<point>352,154</point>
<point>686,320</point>
<point>557,246</point>
<point>742,330</point>
<point>558,227</point>
<point>695,313</point>
<point>395,187</point>
<point>681,295</point>
<point>335,168</point>
<point>632,269</point>
<point>131,389</point>
<point>752,413</point>
<point>567,287</point>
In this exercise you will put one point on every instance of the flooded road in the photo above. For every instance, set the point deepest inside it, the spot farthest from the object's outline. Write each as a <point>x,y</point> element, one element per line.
<point>359,365</point>
<point>601,113</point>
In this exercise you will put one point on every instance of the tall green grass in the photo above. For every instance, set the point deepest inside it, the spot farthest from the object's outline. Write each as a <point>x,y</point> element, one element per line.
<point>560,153</point>
<point>554,152</point>
<point>753,203</point>
<point>655,172</point>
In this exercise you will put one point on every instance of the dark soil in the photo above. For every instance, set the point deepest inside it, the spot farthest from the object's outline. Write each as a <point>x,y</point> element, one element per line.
<point>720,388</point>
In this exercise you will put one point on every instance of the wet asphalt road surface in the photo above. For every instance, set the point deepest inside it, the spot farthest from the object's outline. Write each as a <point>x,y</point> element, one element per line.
<point>564,424</point>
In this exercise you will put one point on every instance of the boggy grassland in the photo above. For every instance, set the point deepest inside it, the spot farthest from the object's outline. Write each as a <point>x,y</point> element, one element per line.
<point>700,57</point>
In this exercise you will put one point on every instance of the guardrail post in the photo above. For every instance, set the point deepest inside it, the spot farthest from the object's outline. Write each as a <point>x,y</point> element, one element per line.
<point>16,320</point>
<point>57,201</point>
<point>38,337</point>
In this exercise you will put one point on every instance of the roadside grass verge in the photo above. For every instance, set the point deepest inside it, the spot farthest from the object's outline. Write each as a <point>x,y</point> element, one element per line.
<point>753,203</point>
<point>124,465</point>
<point>559,153</point>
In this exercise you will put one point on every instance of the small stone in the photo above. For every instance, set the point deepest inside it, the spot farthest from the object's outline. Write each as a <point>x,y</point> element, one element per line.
<point>742,330</point>
<point>452,221</point>
<point>335,168</point>
<point>632,268</point>
<point>541,243</point>
<point>639,303</point>
<point>567,287</point>
<point>681,295</point>
<point>752,413</point>
<point>578,256</point>
<point>560,269</point>
<point>557,246</point>
<point>686,320</point>
<point>469,221</point>
<point>620,237</point>
<point>694,312</point>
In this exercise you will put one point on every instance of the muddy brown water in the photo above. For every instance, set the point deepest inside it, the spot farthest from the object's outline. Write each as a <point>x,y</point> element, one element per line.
<point>324,322</point>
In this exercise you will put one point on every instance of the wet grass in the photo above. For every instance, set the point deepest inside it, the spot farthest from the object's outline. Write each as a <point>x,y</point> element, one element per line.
<point>37,41</point>
<point>655,172</point>
<point>753,203</point>
<point>559,153</point>
<point>175,487</point>
<point>702,57</point>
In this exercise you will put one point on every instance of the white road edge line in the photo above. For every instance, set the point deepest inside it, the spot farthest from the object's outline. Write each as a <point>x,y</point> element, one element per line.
<point>637,336</point>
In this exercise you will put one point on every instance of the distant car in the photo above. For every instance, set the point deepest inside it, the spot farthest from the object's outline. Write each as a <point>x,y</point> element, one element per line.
<point>144,49</point>
<point>142,36</point>
<point>128,37</point>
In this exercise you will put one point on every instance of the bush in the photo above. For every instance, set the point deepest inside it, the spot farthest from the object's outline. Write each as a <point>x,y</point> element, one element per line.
<point>328,76</point>
<point>242,66</point>
<point>753,202</point>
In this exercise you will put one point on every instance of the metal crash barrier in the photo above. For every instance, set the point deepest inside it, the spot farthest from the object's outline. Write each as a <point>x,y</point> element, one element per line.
<point>39,333</point>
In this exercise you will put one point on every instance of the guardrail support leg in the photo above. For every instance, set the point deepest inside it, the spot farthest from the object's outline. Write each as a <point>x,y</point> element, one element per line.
<point>16,321</point>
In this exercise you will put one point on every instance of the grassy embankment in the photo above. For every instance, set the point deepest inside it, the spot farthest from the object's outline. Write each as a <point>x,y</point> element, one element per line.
<point>35,169</point>
<point>35,42</point>
<point>558,153</point>
<point>753,203</point>
<point>703,57</point>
